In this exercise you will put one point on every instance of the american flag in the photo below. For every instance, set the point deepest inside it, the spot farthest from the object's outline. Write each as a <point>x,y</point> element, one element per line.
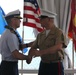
<point>31,14</point>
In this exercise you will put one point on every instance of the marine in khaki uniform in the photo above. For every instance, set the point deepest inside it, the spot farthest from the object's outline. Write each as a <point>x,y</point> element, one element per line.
<point>50,44</point>
<point>44,42</point>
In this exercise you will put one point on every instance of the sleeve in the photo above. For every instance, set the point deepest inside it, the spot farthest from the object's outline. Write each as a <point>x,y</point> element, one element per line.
<point>12,42</point>
<point>35,44</point>
<point>60,39</point>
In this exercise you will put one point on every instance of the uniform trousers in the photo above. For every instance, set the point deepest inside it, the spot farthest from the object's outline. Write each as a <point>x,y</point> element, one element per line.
<point>9,68</point>
<point>52,68</point>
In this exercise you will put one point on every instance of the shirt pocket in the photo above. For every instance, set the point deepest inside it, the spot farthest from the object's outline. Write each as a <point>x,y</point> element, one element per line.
<point>50,41</point>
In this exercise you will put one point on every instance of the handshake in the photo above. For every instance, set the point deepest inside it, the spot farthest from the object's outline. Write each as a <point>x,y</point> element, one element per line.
<point>32,54</point>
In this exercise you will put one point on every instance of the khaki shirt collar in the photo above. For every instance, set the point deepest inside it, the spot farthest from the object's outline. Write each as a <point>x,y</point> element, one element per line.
<point>52,30</point>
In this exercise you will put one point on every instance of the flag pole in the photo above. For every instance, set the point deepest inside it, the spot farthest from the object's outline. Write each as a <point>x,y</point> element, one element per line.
<point>22,50</point>
<point>73,56</point>
<point>23,42</point>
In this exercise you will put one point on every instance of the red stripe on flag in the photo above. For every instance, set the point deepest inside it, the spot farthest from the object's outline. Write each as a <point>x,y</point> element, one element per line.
<point>30,8</point>
<point>32,17</point>
<point>33,25</point>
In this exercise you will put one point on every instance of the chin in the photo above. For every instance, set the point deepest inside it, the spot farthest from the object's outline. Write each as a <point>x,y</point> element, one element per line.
<point>18,26</point>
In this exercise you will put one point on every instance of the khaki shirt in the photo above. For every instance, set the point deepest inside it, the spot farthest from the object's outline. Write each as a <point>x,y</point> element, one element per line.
<point>43,42</point>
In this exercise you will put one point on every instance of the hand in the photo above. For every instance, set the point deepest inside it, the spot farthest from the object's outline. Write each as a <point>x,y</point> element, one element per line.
<point>35,53</point>
<point>29,59</point>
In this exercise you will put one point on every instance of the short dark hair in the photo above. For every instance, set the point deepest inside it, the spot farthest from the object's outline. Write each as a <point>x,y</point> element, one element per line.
<point>44,16</point>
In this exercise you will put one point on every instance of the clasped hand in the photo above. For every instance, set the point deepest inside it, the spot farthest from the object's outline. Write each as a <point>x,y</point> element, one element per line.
<point>33,53</point>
